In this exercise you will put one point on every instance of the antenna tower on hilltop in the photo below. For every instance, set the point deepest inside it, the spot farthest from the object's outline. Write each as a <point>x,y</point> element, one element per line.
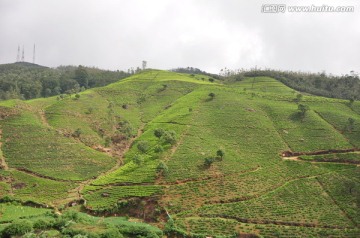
<point>18,54</point>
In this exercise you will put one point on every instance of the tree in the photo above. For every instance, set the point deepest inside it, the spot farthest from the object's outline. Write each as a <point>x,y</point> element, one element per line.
<point>143,146</point>
<point>220,153</point>
<point>162,168</point>
<point>212,96</point>
<point>298,98</point>
<point>208,161</point>
<point>159,132</point>
<point>81,76</point>
<point>302,110</point>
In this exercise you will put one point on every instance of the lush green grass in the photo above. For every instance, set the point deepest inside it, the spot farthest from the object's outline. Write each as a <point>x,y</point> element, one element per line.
<point>38,190</point>
<point>10,212</point>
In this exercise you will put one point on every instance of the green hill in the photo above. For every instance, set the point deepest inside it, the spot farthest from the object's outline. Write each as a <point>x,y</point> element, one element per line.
<point>284,172</point>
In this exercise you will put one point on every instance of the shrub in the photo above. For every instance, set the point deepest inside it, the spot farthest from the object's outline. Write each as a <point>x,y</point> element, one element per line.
<point>208,161</point>
<point>143,146</point>
<point>43,224</point>
<point>212,96</point>
<point>159,132</point>
<point>17,228</point>
<point>220,153</point>
<point>125,128</point>
<point>169,137</point>
<point>162,168</point>
<point>139,231</point>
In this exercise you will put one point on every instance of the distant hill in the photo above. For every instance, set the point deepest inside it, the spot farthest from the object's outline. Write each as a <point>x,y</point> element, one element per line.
<point>188,153</point>
<point>21,64</point>
<point>346,86</point>
<point>23,80</point>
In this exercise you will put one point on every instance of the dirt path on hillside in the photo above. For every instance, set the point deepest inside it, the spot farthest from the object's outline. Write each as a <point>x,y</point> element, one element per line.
<point>3,164</point>
<point>296,158</point>
<point>43,118</point>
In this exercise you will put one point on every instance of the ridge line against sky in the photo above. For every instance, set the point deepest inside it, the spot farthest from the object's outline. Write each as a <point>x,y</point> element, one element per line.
<point>207,34</point>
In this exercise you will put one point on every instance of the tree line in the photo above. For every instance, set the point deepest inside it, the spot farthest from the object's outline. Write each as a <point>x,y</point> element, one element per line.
<point>27,81</point>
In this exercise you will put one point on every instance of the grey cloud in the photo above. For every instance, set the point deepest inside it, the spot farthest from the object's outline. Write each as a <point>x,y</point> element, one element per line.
<point>208,34</point>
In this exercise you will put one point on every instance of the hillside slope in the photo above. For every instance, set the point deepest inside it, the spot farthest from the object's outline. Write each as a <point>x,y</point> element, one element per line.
<point>100,148</point>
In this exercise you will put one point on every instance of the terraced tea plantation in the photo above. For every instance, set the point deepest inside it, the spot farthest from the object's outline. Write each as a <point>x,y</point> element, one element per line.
<point>194,156</point>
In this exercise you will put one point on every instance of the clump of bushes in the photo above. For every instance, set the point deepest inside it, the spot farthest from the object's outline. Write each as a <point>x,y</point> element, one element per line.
<point>168,137</point>
<point>208,161</point>
<point>17,228</point>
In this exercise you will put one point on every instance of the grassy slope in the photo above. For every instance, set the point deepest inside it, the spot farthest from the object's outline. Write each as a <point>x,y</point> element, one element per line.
<point>253,121</point>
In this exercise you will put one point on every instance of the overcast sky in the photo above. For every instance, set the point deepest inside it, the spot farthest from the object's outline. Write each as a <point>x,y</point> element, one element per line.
<point>208,34</point>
